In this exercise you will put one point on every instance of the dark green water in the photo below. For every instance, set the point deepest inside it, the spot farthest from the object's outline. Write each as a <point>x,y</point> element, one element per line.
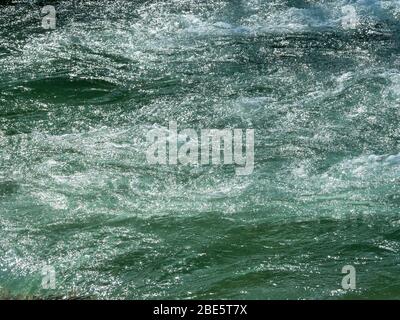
<point>77,193</point>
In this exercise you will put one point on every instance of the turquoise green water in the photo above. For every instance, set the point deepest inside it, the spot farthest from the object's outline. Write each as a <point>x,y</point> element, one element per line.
<point>77,193</point>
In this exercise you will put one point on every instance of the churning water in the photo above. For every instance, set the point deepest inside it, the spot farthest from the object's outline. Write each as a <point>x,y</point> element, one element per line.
<point>77,194</point>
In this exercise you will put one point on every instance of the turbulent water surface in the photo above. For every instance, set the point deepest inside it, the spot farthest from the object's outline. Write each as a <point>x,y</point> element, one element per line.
<point>76,191</point>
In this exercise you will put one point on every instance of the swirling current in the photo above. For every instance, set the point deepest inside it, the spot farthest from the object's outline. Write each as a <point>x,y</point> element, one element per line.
<point>76,191</point>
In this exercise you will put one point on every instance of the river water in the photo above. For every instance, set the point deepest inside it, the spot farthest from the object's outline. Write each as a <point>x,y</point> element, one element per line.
<point>77,194</point>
